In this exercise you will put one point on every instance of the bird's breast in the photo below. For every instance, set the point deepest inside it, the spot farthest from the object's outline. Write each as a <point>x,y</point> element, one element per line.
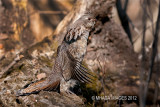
<point>78,48</point>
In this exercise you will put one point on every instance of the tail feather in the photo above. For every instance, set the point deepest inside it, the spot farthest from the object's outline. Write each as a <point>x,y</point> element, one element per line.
<point>53,86</point>
<point>38,86</point>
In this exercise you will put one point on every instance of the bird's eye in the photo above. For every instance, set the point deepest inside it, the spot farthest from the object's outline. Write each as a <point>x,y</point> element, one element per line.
<point>89,18</point>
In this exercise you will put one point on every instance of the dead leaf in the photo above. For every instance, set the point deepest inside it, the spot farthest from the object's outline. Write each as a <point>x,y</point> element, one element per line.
<point>1,46</point>
<point>41,75</point>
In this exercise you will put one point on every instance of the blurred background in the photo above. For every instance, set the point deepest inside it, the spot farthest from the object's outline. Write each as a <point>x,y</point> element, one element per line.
<point>25,22</point>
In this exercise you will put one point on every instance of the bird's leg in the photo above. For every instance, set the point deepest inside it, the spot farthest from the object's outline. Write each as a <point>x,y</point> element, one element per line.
<point>66,85</point>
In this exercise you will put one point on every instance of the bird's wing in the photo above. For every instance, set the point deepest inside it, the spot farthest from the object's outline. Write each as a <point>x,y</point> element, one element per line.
<point>78,71</point>
<point>73,33</point>
<point>65,66</point>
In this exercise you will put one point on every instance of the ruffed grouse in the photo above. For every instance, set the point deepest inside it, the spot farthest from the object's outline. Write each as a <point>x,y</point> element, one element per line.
<point>68,63</point>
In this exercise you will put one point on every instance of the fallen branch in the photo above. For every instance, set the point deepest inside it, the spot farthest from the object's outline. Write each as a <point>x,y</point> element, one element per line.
<point>6,70</point>
<point>49,12</point>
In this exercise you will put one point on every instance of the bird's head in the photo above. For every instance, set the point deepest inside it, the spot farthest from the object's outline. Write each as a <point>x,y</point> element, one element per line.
<point>89,21</point>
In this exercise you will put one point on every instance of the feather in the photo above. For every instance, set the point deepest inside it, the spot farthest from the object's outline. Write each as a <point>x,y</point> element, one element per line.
<point>47,85</point>
<point>78,71</point>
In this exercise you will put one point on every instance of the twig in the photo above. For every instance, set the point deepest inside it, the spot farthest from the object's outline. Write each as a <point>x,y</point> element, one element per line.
<point>142,85</point>
<point>48,12</point>
<point>151,15</point>
<point>125,5</point>
<point>156,83</point>
<point>154,52</point>
<point>2,57</point>
<point>156,92</point>
<point>6,70</point>
<point>139,33</point>
<point>52,12</point>
<point>124,18</point>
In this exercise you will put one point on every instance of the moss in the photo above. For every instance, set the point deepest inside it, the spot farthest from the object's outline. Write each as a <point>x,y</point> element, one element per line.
<point>54,45</point>
<point>99,88</point>
<point>47,61</point>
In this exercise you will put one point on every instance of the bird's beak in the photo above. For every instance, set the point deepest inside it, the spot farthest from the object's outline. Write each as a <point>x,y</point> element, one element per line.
<point>93,19</point>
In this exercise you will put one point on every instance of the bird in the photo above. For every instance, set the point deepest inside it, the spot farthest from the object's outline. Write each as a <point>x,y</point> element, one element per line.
<point>68,62</point>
